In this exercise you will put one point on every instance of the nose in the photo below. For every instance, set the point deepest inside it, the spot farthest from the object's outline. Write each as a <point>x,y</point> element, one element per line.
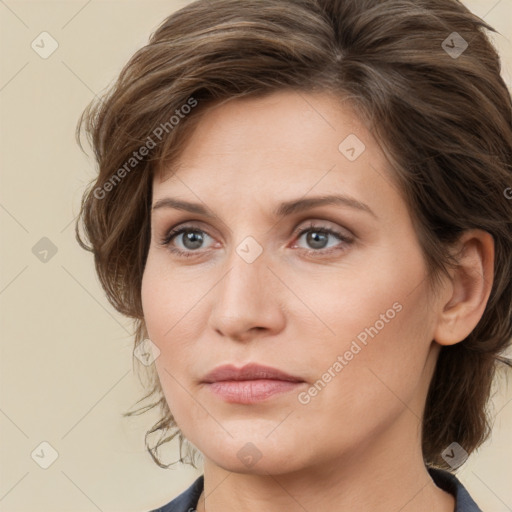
<point>246,300</point>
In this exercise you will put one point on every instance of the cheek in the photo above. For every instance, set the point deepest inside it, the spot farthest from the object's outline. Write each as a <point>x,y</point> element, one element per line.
<point>361,388</point>
<point>171,326</point>
<point>373,339</point>
<point>379,298</point>
<point>162,309</point>
<point>164,302</point>
<point>153,296</point>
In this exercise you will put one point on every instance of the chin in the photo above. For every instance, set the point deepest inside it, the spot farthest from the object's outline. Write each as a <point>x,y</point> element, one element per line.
<point>255,454</point>
<point>273,465</point>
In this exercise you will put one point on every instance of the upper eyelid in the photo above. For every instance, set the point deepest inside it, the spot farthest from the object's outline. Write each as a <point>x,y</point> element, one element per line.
<point>174,232</point>
<point>301,215</point>
<point>197,224</point>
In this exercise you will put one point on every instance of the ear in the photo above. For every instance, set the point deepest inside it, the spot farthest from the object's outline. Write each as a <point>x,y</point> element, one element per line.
<point>468,289</point>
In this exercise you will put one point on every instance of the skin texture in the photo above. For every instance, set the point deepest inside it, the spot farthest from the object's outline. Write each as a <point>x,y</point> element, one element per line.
<point>356,444</point>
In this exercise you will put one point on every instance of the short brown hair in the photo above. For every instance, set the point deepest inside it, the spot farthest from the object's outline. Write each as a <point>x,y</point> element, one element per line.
<point>444,119</point>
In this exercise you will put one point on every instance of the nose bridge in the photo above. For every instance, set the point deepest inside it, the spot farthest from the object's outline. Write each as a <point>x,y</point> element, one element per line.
<point>245,296</point>
<point>247,276</point>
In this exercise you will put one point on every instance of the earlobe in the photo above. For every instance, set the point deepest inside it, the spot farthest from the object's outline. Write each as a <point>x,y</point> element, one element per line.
<point>469,288</point>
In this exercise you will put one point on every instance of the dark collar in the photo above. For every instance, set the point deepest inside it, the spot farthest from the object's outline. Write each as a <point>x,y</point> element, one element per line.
<point>450,483</point>
<point>187,500</point>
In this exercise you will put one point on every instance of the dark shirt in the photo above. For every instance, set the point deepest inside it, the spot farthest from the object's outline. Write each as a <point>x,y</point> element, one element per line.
<point>187,500</point>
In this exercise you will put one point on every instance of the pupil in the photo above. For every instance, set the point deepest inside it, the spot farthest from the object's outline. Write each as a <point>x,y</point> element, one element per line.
<point>317,240</point>
<point>194,238</point>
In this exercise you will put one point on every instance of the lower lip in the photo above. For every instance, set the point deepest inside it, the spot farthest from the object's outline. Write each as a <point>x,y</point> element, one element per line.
<point>251,391</point>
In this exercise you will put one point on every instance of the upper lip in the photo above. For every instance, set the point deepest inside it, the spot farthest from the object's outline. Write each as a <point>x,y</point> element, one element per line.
<point>252,371</point>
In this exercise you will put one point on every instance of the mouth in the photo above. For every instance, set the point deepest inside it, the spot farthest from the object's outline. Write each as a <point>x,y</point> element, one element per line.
<point>249,384</point>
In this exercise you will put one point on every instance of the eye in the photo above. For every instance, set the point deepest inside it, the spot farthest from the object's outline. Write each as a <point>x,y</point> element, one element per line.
<point>192,239</point>
<point>318,238</point>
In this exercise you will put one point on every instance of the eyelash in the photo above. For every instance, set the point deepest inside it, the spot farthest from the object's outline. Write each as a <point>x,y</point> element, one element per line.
<point>173,233</point>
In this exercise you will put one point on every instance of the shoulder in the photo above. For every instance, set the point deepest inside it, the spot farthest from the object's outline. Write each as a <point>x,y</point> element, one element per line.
<point>450,483</point>
<point>186,501</point>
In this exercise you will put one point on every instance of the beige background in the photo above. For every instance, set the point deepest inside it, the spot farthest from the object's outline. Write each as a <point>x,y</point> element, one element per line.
<point>66,368</point>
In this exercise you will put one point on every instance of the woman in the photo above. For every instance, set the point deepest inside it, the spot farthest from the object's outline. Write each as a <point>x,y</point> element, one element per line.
<point>304,206</point>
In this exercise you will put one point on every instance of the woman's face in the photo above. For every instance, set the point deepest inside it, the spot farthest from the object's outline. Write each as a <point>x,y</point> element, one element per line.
<point>346,312</point>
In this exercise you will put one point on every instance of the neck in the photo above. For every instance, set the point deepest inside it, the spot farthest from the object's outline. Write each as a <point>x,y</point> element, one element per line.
<point>387,473</point>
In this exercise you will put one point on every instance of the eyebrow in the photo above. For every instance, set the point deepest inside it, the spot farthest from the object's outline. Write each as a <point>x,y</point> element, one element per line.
<point>284,209</point>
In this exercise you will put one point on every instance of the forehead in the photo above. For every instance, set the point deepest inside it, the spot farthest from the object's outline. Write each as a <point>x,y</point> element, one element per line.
<point>286,144</point>
<point>292,125</point>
